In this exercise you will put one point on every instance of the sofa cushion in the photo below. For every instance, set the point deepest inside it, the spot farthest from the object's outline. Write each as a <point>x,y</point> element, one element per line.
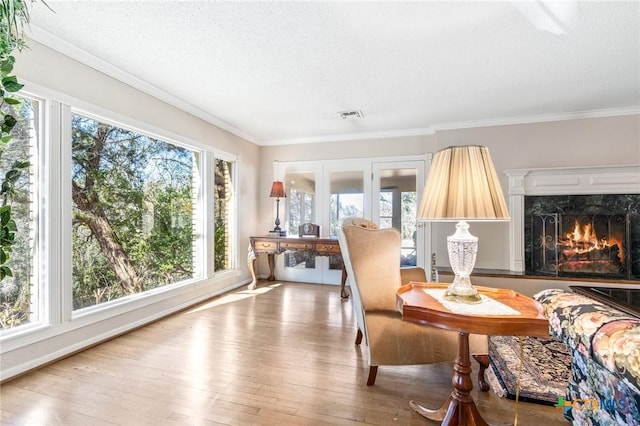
<point>616,346</point>
<point>574,319</point>
<point>605,365</point>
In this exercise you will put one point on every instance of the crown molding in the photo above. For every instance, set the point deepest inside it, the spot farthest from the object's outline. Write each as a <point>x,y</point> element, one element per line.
<point>49,40</point>
<point>539,118</point>
<point>351,136</point>
<point>456,125</point>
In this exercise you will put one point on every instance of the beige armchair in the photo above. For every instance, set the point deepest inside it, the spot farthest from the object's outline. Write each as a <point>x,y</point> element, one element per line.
<point>372,261</point>
<point>407,274</point>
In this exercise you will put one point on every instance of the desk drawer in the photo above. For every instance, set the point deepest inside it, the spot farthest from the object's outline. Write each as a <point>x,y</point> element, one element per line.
<point>327,248</point>
<point>266,246</point>
<point>296,246</point>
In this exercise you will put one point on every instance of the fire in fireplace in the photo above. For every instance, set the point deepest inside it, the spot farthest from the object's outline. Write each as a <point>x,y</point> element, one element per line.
<point>595,244</point>
<point>572,236</point>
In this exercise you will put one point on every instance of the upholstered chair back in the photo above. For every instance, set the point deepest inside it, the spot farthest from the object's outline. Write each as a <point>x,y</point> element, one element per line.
<point>359,221</point>
<point>375,260</point>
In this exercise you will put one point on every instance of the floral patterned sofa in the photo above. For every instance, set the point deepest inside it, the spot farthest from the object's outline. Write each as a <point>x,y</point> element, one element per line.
<point>604,385</point>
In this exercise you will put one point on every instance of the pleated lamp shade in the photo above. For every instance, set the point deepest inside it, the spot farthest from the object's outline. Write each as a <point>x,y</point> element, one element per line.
<point>462,185</point>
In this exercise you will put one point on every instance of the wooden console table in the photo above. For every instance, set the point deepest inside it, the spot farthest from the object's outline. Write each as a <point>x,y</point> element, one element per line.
<point>418,306</point>
<point>272,246</point>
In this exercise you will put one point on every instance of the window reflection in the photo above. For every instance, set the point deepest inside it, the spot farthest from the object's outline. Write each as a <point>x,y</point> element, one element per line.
<point>301,188</point>
<point>397,207</point>
<point>346,198</point>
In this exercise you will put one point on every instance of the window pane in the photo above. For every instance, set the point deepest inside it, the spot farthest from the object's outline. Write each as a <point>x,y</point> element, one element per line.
<point>132,212</point>
<point>223,211</point>
<point>19,291</point>
<point>296,210</point>
<point>301,188</point>
<point>409,228</point>
<point>385,222</point>
<point>346,198</point>
<point>398,207</point>
<point>386,204</point>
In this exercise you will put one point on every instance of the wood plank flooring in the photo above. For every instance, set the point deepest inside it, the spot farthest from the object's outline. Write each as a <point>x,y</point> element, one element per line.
<point>283,354</point>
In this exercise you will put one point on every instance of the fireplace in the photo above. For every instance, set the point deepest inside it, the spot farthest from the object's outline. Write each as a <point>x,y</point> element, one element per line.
<point>590,236</point>
<point>581,222</point>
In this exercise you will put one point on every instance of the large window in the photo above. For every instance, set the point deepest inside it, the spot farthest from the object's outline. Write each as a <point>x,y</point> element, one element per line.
<point>19,289</point>
<point>135,222</point>
<point>132,212</point>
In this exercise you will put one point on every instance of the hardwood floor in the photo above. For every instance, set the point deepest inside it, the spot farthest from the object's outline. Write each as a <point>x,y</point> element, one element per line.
<point>283,354</point>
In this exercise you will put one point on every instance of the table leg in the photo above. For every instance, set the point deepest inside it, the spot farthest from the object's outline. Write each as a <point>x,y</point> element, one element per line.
<point>272,267</point>
<point>459,409</point>
<point>251,263</point>
<point>343,291</point>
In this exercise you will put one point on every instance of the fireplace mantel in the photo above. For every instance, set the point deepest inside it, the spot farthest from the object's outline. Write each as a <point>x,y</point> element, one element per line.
<point>624,179</point>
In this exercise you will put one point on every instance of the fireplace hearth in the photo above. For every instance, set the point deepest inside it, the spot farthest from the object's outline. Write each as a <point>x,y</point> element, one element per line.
<point>586,236</point>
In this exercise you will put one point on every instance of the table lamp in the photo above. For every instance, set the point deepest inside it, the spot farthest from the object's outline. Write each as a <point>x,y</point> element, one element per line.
<point>462,186</point>
<point>277,192</point>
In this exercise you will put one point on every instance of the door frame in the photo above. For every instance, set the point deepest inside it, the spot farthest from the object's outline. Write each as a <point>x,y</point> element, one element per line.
<point>423,236</point>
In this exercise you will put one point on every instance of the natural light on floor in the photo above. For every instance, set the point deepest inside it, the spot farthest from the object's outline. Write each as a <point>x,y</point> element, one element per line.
<point>233,297</point>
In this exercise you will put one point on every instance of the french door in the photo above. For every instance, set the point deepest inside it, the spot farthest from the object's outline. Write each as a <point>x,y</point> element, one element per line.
<point>386,192</point>
<point>396,192</point>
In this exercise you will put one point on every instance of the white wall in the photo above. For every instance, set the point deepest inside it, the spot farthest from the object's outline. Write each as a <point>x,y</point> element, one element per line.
<point>585,142</point>
<point>580,142</point>
<point>42,67</point>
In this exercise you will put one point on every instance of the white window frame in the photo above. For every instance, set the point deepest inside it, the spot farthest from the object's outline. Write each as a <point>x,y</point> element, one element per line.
<point>233,225</point>
<point>54,227</point>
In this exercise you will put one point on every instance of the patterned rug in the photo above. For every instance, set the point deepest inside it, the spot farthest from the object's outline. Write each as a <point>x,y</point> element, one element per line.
<point>545,370</point>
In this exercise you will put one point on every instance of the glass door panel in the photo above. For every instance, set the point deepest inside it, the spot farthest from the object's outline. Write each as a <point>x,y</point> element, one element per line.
<point>346,197</point>
<point>301,202</point>
<point>397,187</point>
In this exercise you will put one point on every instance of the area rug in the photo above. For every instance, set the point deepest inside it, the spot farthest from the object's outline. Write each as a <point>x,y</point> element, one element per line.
<point>545,369</point>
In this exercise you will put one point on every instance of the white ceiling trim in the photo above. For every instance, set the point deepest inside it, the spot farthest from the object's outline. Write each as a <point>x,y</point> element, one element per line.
<point>506,121</point>
<point>540,118</point>
<point>44,37</point>
<point>352,136</point>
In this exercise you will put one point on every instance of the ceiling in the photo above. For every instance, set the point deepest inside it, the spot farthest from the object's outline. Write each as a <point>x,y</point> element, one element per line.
<point>279,72</point>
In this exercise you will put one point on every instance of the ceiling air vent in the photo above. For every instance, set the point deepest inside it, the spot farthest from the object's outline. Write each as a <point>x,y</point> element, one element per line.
<point>350,115</point>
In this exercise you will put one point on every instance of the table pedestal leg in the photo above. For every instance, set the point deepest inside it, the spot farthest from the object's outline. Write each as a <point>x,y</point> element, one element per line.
<point>459,408</point>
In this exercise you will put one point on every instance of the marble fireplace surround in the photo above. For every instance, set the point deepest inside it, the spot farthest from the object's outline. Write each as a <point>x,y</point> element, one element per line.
<point>623,179</point>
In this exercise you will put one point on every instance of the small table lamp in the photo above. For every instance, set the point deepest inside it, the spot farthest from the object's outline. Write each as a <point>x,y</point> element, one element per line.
<point>277,192</point>
<point>462,186</point>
